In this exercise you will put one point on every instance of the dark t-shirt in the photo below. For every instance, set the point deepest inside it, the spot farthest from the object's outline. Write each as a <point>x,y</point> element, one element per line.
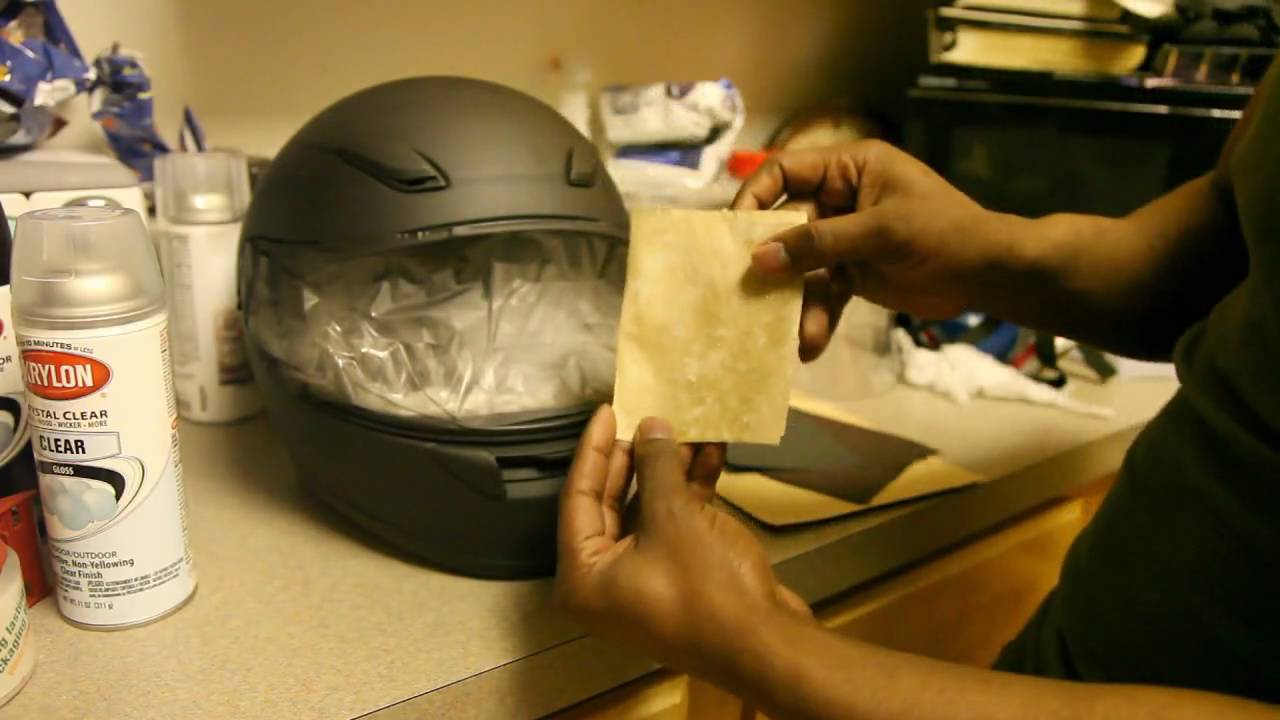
<point>1176,581</point>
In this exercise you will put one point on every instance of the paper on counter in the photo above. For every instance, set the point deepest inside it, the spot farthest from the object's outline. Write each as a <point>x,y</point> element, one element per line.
<point>778,504</point>
<point>702,342</point>
<point>835,458</point>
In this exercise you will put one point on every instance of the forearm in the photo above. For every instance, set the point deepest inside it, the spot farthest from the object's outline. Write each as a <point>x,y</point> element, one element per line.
<point>798,670</point>
<point>1132,285</point>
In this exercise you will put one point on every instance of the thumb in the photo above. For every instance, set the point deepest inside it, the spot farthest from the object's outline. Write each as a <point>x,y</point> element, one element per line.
<point>855,237</point>
<point>660,468</point>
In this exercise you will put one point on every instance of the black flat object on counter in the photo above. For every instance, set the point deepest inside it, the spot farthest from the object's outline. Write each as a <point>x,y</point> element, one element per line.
<point>837,459</point>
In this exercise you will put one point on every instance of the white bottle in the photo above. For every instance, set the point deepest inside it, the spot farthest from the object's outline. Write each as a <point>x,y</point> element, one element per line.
<point>200,201</point>
<point>17,651</point>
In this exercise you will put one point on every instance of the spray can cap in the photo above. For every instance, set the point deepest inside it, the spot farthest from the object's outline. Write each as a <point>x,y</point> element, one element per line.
<point>201,188</point>
<point>84,267</point>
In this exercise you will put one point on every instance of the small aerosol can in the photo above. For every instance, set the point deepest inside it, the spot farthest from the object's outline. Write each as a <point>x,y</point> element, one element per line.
<point>89,306</point>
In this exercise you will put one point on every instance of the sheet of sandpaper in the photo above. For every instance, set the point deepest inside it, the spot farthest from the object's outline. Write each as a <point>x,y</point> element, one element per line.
<point>779,504</point>
<point>846,461</point>
<point>702,341</point>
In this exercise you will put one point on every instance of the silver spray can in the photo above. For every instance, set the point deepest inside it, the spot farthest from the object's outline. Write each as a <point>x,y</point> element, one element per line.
<point>92,326</point>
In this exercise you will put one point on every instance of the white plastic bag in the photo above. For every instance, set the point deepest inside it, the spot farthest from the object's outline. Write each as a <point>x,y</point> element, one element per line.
<point>482,332</point>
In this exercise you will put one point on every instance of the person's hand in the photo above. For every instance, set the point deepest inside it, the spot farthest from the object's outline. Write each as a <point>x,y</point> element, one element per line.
<point>884,226</point>
<point>683,581</point>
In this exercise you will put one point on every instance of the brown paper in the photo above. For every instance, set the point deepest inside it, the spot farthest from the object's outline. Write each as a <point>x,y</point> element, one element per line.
<point>702,342</point>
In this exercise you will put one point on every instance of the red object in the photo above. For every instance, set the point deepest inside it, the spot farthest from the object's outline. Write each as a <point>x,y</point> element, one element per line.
<point>744,163</point>
<point>18,531</point>
<point>1023,357</point>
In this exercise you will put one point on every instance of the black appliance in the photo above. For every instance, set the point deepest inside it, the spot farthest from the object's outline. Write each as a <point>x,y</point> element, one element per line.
<point>1038,143</point>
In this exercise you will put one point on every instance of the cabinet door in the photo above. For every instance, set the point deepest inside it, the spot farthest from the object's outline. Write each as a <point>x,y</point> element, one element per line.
<point>662,696</point>
<point>964,605</point>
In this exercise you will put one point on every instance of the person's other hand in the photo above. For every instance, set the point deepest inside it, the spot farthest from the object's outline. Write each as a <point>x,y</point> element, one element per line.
<point>883,226</point>
<point>688,582</point>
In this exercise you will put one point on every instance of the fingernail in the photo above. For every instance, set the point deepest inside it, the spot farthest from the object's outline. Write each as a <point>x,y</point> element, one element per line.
<point>771,257</point>
<point>813,323</point>
<point>655,428</point>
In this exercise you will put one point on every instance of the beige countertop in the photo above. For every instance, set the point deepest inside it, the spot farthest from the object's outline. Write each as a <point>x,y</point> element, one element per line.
<point>300,616</point>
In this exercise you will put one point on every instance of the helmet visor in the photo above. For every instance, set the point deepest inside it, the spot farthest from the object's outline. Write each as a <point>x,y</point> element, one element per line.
<point>477,332</point>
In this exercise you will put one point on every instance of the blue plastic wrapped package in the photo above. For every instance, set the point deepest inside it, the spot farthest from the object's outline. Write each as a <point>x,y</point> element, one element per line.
<point>122,105</point>
<point>40,67</point>
<point>669,113</point>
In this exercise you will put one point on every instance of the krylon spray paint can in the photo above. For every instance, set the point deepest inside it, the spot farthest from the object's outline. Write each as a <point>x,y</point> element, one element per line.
<point>92,326</point>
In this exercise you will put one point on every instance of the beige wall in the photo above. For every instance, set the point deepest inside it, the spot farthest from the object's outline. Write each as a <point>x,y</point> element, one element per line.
<point>254,70</point>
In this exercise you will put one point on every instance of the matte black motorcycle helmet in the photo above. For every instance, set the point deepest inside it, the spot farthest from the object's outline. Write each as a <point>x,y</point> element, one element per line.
<point>430,276</point>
